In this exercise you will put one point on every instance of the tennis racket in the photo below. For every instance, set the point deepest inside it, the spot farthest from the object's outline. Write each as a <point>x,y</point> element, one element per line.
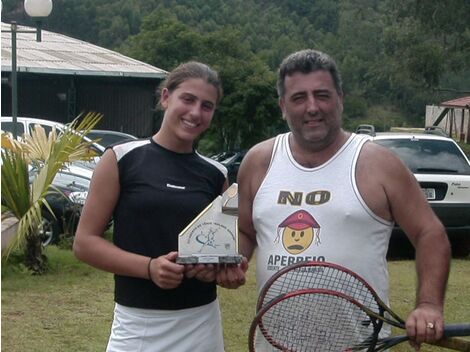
<point>323,275</point>
<point>326,320</point>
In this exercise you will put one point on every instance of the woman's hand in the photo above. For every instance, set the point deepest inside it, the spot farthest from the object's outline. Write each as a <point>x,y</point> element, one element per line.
<point>165,273</point>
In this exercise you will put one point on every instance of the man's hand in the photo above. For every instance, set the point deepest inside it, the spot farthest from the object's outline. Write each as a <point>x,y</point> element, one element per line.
<point>425,324</point>
<point>232,276</point>
<point>203,272</point>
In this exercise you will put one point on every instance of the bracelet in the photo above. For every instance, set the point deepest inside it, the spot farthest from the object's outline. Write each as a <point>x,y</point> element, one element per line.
<point>148,269</point>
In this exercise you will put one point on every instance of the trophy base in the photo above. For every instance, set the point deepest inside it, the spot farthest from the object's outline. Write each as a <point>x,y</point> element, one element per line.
<point>210,259</point>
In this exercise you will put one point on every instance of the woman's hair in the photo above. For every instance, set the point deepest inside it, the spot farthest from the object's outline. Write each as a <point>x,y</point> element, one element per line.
<point>192,69</point>
<point>307,61</point>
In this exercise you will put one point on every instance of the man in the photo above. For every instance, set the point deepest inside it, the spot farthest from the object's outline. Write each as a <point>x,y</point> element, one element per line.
<point>321,193</point>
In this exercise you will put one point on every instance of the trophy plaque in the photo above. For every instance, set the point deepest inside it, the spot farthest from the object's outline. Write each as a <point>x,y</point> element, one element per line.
<point>212,237</point>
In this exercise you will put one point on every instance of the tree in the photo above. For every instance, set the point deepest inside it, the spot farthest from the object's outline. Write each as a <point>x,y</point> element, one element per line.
<point>398,54</point>
<point>248,111</point>
<point>46,154</point>
<point>425,41</point>
<point>163,41</point>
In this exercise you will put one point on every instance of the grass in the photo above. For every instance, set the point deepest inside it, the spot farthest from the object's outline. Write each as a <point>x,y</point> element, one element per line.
<point>71,308</point>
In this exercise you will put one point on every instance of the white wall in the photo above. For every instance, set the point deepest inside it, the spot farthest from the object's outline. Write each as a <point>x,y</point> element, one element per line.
<point>454,115</point>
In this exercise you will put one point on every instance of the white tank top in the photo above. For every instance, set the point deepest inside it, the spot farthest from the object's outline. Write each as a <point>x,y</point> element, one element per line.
<point>317,213</point>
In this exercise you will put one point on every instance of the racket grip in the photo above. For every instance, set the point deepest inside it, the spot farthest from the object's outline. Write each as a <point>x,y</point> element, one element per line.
<point>449,341</point>
<point>454,343</point>
<point>451,330</point>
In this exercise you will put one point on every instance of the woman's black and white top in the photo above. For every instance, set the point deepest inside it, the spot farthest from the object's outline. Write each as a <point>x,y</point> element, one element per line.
<point>161,192</point>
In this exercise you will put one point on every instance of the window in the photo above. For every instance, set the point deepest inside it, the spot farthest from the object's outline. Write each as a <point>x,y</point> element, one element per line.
<point>428,156</point>
<point>8,127</point>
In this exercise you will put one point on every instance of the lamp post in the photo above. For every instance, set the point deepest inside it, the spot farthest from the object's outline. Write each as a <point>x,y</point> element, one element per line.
<point>36,9</point>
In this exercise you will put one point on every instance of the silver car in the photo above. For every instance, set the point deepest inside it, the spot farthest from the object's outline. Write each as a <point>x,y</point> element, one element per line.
<point>25,125</point>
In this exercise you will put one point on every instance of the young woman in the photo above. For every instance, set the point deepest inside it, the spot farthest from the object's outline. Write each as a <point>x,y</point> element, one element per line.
<point>153,189</point>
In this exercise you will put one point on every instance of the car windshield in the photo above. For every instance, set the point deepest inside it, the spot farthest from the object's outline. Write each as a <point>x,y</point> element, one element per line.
<point>428,156</point>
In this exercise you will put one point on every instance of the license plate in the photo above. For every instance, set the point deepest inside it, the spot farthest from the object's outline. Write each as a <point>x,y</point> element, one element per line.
<point>430,193</point>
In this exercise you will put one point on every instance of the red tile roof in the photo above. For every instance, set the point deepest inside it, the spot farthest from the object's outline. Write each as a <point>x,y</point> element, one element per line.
<point>463,102</point>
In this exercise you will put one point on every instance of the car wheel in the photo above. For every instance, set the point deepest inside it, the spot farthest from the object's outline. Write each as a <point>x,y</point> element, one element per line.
<point>49,230</point>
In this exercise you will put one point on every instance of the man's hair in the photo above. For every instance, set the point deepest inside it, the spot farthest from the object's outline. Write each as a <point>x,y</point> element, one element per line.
<point>192,69</point>
<point>307,61</point>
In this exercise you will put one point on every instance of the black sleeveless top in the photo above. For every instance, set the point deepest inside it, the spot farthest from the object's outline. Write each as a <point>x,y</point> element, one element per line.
<point>161,193</point>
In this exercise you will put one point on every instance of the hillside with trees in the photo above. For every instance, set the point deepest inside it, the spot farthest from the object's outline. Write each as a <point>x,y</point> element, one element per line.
<point>396,56</point>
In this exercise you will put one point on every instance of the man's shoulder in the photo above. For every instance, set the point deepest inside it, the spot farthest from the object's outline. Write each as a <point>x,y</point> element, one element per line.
<point>385,166</point>
<point>374,153</point>
<point>255,163</point>
<point>262,150</point>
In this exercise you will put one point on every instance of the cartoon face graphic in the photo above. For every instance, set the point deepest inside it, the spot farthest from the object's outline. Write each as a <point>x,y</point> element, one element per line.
<point>298,231</point>
<point>295,241</point>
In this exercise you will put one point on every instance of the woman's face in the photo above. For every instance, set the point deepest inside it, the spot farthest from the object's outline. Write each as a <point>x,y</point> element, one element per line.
<point>188,113</point>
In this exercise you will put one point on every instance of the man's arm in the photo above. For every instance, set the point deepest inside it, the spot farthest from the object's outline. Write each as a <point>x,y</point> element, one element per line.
<point>246,230</point>
<point>427,234</point>
<point>394,194</point>
<point>234,276</point>
<point>411,210</point>
<point>250,176</point>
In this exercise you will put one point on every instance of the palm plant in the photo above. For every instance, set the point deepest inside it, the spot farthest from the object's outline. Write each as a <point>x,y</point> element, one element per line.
<point>25,199</point>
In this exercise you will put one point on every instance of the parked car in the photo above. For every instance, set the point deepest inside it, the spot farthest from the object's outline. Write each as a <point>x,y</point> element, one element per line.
<point>66,199</point>
<point>365,129</point>
<point>107,137</point>
<point>443,171</point>
<point>26,125</point>
<point>231,160</point>
<point>223,155</point>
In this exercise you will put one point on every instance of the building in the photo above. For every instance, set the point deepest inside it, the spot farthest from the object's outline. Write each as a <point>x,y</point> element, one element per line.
<point>452,116</point>
<point>61,77</point>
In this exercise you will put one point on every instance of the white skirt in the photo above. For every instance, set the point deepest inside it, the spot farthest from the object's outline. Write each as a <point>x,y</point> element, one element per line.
<point>196,329</point>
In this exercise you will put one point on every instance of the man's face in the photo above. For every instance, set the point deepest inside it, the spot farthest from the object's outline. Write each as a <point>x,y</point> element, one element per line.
<point>312,108</point>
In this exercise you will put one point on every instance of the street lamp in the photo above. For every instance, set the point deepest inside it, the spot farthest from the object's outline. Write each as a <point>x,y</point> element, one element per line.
<point>37,9</point>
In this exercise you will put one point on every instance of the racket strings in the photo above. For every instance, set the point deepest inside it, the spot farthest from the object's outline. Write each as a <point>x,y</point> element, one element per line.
<point>316,322</point>
<point>379,345</point>
<point>324,277</point>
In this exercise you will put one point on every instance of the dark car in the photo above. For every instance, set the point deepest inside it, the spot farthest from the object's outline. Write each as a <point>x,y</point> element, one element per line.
<point>66,199</point>
<point>443,171</point>
<point>231,160</point>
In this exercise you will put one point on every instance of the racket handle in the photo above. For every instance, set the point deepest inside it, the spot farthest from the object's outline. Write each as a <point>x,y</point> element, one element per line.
<point>451,330</point>
<point>454,343</point>
<point>449,341</point>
